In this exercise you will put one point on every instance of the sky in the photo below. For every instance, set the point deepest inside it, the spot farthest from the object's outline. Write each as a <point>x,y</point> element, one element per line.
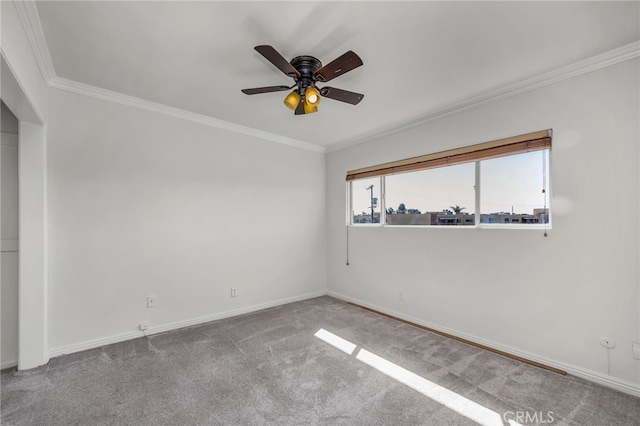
<point>512,183</point>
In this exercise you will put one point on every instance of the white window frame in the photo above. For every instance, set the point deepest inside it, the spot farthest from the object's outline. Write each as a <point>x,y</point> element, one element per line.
<point>381,203</point>
<point>477,214</point>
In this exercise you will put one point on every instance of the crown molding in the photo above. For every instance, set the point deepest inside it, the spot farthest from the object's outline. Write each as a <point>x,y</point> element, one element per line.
<point>131,101</point>
<point>30,20</point>
<point>28,14</point>
<point>612,57</point>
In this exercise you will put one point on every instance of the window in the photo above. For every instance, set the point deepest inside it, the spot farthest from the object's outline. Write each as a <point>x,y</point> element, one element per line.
<point>365,196</point>
<point>426,197</point>
<point>512,188</point>
<point>501,183</point>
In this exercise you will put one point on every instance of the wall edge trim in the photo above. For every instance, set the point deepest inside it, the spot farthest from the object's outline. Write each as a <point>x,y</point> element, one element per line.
<point>583,373</point>
<point>131,101</point>
<point>8,364</point>
<point>30,20</point>
<point>96,343</point>
<point>594,63</point>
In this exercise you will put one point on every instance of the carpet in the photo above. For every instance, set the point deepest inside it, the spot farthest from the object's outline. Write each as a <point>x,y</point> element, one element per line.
<point>315,362</point>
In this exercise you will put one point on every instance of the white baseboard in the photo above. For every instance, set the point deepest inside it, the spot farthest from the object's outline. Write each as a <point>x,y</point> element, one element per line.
<point>96,343</point>
<point>593,376</point>
<point>8,364</point>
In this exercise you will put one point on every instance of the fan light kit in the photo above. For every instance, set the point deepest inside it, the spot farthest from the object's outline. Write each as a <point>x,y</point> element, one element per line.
<point>306,71</point>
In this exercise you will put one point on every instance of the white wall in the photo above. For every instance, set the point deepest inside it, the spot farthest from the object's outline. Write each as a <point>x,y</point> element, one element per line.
<point>549,297</point>
<point>143,204</point>
<point>9,241</point>
<point>131,190</point>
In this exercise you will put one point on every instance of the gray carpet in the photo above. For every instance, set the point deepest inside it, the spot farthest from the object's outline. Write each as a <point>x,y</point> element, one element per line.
<point>270,368</point>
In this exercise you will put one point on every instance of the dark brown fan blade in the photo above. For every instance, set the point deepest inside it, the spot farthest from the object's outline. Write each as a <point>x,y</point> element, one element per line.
<point>300,108</point>
<point>276,59</point>
<point>267,89</point>
<point>338,66</point>
<point>341,95</point>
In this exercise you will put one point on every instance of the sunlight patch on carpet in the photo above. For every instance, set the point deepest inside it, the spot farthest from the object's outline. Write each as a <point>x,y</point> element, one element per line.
<point>450,399</point>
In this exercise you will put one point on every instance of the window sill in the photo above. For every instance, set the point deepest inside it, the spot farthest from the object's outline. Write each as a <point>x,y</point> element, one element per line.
<point>481,226</point>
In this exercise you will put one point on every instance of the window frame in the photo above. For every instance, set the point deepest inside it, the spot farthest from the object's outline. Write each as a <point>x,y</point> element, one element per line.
<point>381,204</point>
<point>536,141</point>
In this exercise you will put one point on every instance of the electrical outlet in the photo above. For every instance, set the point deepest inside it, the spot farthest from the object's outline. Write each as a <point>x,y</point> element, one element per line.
<point>636,350</point>
<point>234,292</point>
<point>608,342</point>
<point>401,295</point>
<point>151,301</point>
<point>143,326</point>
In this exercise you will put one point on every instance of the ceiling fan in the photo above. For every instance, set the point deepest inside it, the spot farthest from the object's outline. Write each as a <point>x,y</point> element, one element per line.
<point>306,71</point>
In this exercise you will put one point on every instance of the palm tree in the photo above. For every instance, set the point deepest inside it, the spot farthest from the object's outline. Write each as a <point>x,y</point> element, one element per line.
<point>457,209</point>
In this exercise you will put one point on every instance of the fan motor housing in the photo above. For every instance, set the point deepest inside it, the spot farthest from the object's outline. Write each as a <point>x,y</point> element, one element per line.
<point>306,66</point>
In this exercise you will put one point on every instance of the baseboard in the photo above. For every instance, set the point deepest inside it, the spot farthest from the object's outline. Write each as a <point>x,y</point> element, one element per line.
<point>96,343</point>
<point>593,376</point>
<point>8,364</point>
<point>233,313</point>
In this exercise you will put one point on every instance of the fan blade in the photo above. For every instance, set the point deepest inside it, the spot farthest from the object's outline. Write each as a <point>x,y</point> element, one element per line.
<point>341,95</point>
<point>276,59</point>
<point>300,108</point>
<point>267,89</point>
<point>338,66</point>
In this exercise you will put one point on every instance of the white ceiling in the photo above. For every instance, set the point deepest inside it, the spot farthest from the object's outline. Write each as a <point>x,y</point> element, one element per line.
<point>419,57</point>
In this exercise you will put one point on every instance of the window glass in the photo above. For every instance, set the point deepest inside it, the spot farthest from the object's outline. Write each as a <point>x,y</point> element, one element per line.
<point>365,201</point>
<point>501,183</point>
<point>512,189</point>
<point>441,196</point>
